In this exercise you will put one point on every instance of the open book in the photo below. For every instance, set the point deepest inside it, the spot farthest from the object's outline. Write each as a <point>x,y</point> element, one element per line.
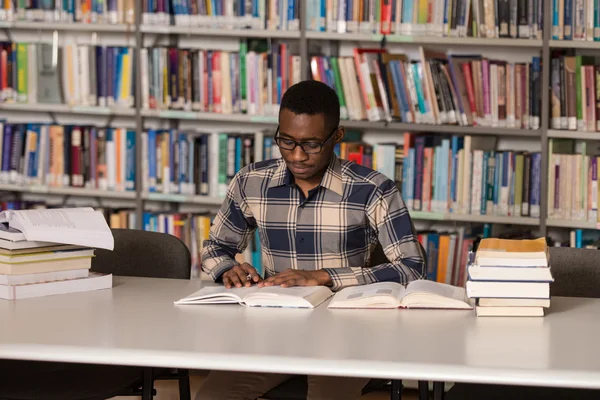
<point>75,226</point>
<point>271,296</point>
<point>417,294</point>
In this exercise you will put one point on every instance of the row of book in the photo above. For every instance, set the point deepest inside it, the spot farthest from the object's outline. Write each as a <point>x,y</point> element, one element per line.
<point>77,75</point>
<point>68,155</point>
<point>573,180</point>
<point>86,11</point>
<point>454,18</point>
<point>199,163</point>
<point>462,175</point>
<point>273,15</point>
<point>251,81</point>
<point>575,20</point>
<point>575,103</point>
<point>510,277</point>
<point>436,89</point>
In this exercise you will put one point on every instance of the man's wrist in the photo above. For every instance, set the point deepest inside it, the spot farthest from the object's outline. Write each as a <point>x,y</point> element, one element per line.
<point>323,278</point>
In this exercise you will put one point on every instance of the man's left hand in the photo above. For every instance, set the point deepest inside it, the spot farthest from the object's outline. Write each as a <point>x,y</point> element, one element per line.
<point>294,277</point>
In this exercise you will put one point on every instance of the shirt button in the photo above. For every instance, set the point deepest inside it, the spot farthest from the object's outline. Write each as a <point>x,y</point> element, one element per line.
<point>301,240</point>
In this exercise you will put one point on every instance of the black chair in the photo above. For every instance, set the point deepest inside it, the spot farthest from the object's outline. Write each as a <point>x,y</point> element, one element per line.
<point>576,273</point>
<point>297,387</point>
<point>136,253</point>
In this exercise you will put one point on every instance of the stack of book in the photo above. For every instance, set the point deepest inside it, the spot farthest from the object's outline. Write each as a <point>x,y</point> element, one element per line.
<point>49,252</point>
<point>510,277</point>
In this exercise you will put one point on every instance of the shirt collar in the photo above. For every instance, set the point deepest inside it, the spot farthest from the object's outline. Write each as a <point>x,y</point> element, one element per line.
<point>332,179</point>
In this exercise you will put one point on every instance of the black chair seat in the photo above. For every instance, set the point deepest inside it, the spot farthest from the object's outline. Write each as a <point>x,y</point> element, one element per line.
<point>464,391</point>
<point>27,380</point>
<point>297,389</point>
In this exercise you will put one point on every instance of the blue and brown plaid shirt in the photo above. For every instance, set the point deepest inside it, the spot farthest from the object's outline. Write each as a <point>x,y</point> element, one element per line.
<point>334,228</point>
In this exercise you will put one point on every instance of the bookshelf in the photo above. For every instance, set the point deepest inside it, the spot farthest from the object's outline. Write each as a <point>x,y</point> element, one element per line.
<point>140,117</point>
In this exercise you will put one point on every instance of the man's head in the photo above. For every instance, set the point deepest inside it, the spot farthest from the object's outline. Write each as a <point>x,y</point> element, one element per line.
<point>309,114</point>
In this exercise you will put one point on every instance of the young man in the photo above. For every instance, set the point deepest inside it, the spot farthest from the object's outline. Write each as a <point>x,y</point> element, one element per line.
<point>318,217</point>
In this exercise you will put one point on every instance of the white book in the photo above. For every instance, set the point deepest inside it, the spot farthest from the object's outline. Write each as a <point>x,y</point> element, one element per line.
<point>510,311</point>
<point>26,279</point>
<point>145,79</point>
<point>270,296</point>
<point>84,75</point>
<point>512,290</point>
<point>93,282</point>
<point>532,274</point>
<point>417,294</point>
<point>76,226</point>
<point>32,73</point>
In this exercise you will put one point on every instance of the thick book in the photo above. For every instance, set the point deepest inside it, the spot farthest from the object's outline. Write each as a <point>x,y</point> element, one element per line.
<point>24,279</point>
<point>510,311</point>
<point>271,296</point>
<point>532,274</point>
<point>75,226</point>
<point>417,294</point>
<point>93,282</point>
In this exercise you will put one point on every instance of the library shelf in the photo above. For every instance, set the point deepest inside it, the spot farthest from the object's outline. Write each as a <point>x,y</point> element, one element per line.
<point>479,219</point>
<point>182,198</point>
<point>67,109</point>
<point>67,191</point>
<point>68,26</point>
<point>562,223</point>
<point>564,134</point>
<point>424,40</point>
<point>218,32</point>
<point>573,44</point>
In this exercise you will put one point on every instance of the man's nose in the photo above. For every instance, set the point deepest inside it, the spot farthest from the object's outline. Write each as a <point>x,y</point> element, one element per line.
<point>298,154</point>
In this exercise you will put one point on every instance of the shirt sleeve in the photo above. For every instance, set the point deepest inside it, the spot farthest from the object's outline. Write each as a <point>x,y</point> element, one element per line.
<point>390,220</point>
<point>230,232</point>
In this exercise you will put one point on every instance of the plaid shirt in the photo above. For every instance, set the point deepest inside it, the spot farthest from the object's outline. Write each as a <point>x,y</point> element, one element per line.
<point>334,228</point>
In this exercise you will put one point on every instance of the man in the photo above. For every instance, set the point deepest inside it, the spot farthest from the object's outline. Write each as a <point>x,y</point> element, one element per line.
<point>318,218</point>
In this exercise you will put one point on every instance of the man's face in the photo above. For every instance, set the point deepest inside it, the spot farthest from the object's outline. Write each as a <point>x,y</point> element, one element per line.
<point>308,129</point>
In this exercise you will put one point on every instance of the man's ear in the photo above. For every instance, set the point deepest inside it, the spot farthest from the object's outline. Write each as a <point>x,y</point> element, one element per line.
<point>339,135</point>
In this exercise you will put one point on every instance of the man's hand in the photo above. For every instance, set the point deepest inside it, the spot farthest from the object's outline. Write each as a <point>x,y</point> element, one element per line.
<point>294,277</point>
<point>241,275</point>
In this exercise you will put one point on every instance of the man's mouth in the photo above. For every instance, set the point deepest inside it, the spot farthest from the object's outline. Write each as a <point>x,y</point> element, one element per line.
<point>300,169</point>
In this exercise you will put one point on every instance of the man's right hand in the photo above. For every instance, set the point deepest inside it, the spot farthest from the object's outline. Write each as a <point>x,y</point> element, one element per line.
<point>241,275</point>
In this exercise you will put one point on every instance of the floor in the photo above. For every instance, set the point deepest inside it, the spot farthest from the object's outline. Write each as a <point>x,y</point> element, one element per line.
<point>168,390</point>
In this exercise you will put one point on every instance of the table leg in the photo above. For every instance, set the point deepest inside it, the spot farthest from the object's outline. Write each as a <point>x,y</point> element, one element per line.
<point>147,388</point>
<point>423,390</point>
<point>396,390</point>
<point>438,391</point>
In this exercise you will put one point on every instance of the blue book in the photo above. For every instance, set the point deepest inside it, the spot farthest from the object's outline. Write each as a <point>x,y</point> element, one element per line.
<point>151,160</point>
<point>130,164</point>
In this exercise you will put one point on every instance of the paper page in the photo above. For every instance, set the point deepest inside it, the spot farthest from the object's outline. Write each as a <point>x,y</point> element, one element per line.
<point>354,295</point>
<point>12,234</point>
<point>217,294</point>
<point>295,291</point>
<point>436,288</point>
<point>78,226</point>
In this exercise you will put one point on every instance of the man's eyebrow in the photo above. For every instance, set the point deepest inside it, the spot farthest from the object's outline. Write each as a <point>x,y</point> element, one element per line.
<point>314,138</point>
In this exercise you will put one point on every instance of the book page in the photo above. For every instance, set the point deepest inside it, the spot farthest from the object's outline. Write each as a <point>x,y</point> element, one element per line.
<point>295,291</point>
<point>78,226</point>
<point>389,293</point>
<point>217,294</point>
<point>435,288</point>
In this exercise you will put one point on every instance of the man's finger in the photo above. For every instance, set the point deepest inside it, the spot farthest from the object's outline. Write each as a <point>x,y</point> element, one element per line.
<point>226,280</point>
<point>289,283</point>
<point>235,279</point>
<point>250,270</point>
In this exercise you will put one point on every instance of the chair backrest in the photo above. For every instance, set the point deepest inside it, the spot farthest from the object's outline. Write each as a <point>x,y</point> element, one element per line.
<point>576,272</point>
<point>144,254</point>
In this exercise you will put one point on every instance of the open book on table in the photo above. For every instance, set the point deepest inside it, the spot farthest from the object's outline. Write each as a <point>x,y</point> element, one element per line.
<point>271,296</point>
<point>417,294</point>
<point>75,226</point>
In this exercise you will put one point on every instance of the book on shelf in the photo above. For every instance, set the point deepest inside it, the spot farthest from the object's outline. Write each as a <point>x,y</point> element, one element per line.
<point>87,12</point>
<point>271,15</point>
<point>71,74</point>
<point>575,80</point>
<point>439,18</point>
<point>434,88</point>
<point>416,294</point>
<point>60,156</point>
<point>575,20</point>
<point>573,180</point>
<point>250,81</point>
<point>269,296</point>
<point>75,226</point>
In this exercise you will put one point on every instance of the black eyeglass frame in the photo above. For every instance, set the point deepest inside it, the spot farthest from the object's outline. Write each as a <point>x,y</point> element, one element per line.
<point>321,144</point>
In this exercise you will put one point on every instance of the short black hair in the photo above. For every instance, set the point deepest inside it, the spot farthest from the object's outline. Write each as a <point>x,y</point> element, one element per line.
<point>313,97</point>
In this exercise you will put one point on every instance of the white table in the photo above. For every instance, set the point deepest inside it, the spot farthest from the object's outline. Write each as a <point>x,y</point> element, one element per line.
<point>136,323</point>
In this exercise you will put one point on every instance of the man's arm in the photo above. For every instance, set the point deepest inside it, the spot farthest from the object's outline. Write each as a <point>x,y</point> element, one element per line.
<point>230,232</point>
<point>388,216</point>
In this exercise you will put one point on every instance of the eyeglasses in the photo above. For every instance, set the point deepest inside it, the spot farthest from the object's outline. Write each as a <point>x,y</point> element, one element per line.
<point>307,147</point>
